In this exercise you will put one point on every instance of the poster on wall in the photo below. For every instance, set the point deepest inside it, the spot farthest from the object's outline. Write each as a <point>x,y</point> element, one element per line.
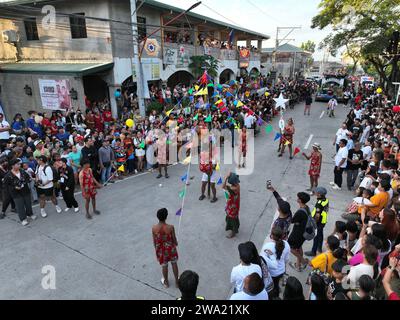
<point>55,94</point>
<point>183,58</point>
<point>170,56</point>
<point>244,58</point>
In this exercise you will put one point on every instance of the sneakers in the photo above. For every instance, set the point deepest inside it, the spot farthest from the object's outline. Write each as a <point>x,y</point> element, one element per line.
<point>43,213</point>
<point>159,176</point>
<point>58,209</point>
<point>76,210</point>
<point>97,212</point>
<point>202,197</point>
<point>25,222</point>
<point>2,215</point>
<point>336,187</point>
<point>332,184</point>
<point>214,200</point>
<point>66,209</point>
<point>33,217</point>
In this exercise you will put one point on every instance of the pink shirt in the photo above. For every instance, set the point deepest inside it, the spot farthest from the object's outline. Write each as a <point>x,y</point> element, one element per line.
<point>358,259</point>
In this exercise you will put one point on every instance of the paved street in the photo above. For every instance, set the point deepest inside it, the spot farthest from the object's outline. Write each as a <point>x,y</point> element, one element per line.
<point>112,257</point>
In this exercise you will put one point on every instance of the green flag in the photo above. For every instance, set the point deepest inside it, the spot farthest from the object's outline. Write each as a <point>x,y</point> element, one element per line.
<point>268,129</point>
<point>142,145</point>
<point>210,85</point>
<point>191,91</point>
<point>208,119</point>
<point>196,117</point>
<point>182,194</point>
<point>226,195</point>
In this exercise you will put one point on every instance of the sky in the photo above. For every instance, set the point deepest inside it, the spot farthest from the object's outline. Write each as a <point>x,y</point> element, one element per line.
<point>273,13</point>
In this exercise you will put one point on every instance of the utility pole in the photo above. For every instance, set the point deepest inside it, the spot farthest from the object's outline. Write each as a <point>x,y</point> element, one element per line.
<point>279,41</point>
<point>136,63</point>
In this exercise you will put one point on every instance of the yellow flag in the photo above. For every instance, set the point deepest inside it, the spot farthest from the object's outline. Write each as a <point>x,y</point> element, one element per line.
<point>219,101</point>
<point>217,167</point>
<point>287,143</point>
<point>121,168</point>
<point>196,87</point>
<point>169,112</point>
<point>202,92</point>
<point>240,104</point>
<point>187,160</point>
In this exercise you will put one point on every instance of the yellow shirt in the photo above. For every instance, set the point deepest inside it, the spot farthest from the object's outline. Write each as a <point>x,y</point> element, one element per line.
<point>319,262</point>
<point>380,201</point>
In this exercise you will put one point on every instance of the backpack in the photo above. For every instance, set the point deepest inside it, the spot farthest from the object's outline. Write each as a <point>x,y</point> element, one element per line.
<point>311,227</point>
<point>55,173</point>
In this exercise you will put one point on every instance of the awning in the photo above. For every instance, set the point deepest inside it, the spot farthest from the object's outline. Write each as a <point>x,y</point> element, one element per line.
<point>73,69</point>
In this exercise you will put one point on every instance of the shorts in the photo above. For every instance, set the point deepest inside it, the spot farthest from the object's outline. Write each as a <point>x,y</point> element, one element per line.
<point>213,177</point>
<point>46,192</point>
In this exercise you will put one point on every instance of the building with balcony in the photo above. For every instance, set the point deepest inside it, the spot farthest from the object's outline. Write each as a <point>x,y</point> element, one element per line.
<point>88,50</point>
<point>291,61</point>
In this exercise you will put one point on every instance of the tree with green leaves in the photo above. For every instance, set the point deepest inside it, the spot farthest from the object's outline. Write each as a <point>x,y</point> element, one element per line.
<point>308,46</point>
<point>371,25</point>
<point>206,62</point>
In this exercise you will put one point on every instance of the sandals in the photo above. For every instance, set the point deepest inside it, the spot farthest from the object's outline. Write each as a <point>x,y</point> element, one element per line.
<point>295,267</point>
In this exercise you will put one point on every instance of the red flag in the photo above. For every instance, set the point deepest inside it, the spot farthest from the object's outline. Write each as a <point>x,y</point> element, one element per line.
<point>296,150</point>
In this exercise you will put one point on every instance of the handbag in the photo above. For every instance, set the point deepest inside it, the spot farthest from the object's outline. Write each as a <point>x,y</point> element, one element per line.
<point>324,275</point>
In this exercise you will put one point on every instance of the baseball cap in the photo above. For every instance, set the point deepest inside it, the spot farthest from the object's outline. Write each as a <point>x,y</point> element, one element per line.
<point>321,190</point>
<point>37,142</point>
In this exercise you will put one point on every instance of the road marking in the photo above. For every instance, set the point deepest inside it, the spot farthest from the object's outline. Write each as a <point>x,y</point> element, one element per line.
<point>308,141</point>
<point>322,114</point>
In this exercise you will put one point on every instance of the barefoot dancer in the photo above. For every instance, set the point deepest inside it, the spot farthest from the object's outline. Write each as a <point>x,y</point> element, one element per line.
<point>287,137</point>
<point>88,184</point>
<point>165,243</point>
<point>315,166</point>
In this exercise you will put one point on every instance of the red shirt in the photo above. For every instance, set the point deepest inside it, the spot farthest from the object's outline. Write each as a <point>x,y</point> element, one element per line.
<point>107,116</point>
<point>394,297</point>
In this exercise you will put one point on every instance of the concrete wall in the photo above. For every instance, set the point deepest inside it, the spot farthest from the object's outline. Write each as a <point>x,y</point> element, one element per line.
<point>15,100</point>
<point>57,44</point>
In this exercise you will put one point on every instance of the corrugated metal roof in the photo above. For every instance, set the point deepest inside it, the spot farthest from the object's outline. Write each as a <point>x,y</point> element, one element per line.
<point>77,69</point>
<point>168,7</point>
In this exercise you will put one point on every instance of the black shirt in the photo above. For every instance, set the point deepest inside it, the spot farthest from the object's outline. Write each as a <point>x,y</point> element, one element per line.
<point>17,187</point>
<point>357,131</point>
<point>91,154</point>
<point>355,155</point>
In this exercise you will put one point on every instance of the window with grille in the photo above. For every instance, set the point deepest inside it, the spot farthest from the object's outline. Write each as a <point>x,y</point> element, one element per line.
<point>78,26</point>
<point>142,31</point>
<point>31,29</point>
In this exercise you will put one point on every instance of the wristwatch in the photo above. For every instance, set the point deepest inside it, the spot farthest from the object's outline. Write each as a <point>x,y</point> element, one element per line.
<point>391,268</point>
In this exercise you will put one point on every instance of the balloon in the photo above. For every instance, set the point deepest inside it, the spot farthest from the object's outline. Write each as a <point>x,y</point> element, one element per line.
<point>396,109</point>
<point>117,94</point>
<point>379,90</point>
<point>38,119</point>
<point>129,123</point>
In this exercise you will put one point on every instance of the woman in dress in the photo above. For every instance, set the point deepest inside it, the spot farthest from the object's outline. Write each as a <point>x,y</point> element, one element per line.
<point>242,148</point>
<point>88,184</point>
<point>165,243</point>
<point>287,138</point>
<point>315,166</point>
<point>232,189</point>
<point>140,152</point>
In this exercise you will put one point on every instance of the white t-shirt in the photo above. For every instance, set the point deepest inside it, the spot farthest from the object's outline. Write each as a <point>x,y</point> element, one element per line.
<point>45,176</point>
<point>341,134</point>
<point>249,121</point>
<point>240,272</point>
<point>276,267</point>
<point>356,272</point>
<point>243,296</point>
<point>5,135</point>
<point>367,152</point>
<point>343,153</point>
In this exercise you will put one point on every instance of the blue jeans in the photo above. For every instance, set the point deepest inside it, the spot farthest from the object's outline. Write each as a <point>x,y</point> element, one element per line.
<point>319,239</point>
<point>105,174</point>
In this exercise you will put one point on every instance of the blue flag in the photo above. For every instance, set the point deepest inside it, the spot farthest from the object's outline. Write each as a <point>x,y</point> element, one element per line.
<point>219,181</point>
<point>277,137</point>
<point>179,212</point>
<point>184,178</point>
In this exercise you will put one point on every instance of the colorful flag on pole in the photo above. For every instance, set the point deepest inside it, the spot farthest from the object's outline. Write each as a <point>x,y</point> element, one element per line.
<point>277,136</point>
<point>296,151</point>
<point>226,195</point>
<point>217,167</point>
<point>182,194</point>
<point>196,117</point>
<point>239,104</point>
<point>268,129</point>
<point>179,212</point>
<point>208,119</point>
<point>219,181</point>
<point>187,160</point>
<point>169,112</point>
<point>121,168</point>
<point>184,178</point>
<point>259,122</point>
<point>142,145</point>
<point>287,143</point>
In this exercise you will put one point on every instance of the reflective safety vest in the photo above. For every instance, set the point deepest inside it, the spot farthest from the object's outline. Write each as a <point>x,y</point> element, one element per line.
<point>322,206</point>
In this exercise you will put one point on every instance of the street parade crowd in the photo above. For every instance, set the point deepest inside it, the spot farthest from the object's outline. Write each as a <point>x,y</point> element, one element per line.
<point>49,156</point>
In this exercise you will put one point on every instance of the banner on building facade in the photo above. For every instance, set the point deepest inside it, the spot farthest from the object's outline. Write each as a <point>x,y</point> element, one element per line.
<point>55,94</point>
<point>244,58</point>
<point>170,56</point>
<point>183,57</point>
